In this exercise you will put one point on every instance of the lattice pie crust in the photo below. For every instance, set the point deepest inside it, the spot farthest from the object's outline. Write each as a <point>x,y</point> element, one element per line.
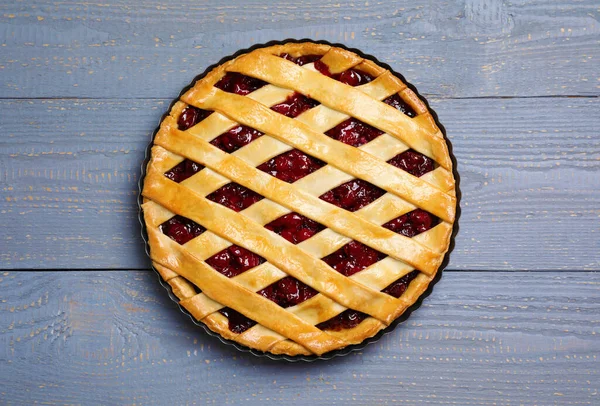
<point>204,291</point>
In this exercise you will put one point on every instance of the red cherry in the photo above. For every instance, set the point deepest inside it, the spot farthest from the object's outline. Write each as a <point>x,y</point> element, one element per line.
<point>237,83</point>
<point>397,288</point>
<point>220,260</point>
<point>353,257</point>
<point>306,59</point>
<point>269,292</point>
<point>236,138</point>
<point>190,116</point>
<point>353,195</point>
<point>234,260</point>
<point>304,234</point>
<point>183,170</point>
<point>288,235</point>
<point>413,162</point>
<point>238,323</point>
<point>295,105</point>
<point>413,223</point>
<point>181,229</point>
<point>347,319</point>
<point>294,227</point>
<point>421,219</point>
<point>301,60</point>
<point>354,77</point>
<point>282,166</point>
<point>288,292</point>
<point>354,132</point>
<point>234,196</point>
<point>321,67</point>
<point>396,101</point>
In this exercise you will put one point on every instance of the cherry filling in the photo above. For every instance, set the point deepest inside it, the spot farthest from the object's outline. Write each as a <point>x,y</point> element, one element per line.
<point>321,67</point>
<point>295,227</point>
<point>190,116</point>
<point>301,60</point>
<point>352,258</point>
<point>234,196</point>
<point>398,288</point>
<point>237,83</point>
<point>291,166</point>
<point>354,132</point>
<point>348,260</point>
<point>353,195</point>
<point>181,229</point>
<point>285,292</point>
<point>352,318</point>
<point>347,319</point>
<point>230,262</point>
<point>353,77</point>
<point>238,323</point>
<point>413,162</point>
<point>234,260</point>
<point>396,102</point>
<point>412,223</point>
<point>288,292</point>
<point>295,105</point>
<point>183,170</point>
<point>236,138</point>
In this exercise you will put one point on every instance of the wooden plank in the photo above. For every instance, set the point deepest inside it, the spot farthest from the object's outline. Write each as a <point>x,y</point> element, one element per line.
<point>69,172</point>
<point>122,49</point>
<point>480,338</point>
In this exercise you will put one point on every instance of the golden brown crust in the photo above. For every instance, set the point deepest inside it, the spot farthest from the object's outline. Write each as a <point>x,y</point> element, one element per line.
<point>348,224</point>
<point>292,331</point>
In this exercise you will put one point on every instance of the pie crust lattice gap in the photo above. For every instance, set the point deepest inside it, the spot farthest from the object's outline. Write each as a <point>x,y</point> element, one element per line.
<point>298,199</point>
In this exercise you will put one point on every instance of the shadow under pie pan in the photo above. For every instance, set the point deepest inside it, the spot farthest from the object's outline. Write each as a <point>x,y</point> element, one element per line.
<point>352,347</point>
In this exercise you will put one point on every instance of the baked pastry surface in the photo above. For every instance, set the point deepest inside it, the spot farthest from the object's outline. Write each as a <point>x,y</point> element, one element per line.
<point>298,199</point>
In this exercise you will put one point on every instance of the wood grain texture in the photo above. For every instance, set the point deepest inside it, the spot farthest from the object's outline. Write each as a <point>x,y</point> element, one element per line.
<point>120,49</point>
<point>82,86</point>
<point>480,338</point>
<point>528,167</point>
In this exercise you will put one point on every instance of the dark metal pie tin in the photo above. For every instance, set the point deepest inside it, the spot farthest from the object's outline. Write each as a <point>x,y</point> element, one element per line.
<point>351,348</point>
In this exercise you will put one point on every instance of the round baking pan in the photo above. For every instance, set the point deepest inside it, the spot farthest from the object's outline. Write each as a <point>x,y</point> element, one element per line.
<point>351,348</point>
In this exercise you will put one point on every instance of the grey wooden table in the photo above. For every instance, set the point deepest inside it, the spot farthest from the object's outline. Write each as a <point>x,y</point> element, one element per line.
<point>515,318</point>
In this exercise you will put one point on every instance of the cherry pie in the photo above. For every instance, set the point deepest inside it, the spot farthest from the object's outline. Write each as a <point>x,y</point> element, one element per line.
<point>298,199</point>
